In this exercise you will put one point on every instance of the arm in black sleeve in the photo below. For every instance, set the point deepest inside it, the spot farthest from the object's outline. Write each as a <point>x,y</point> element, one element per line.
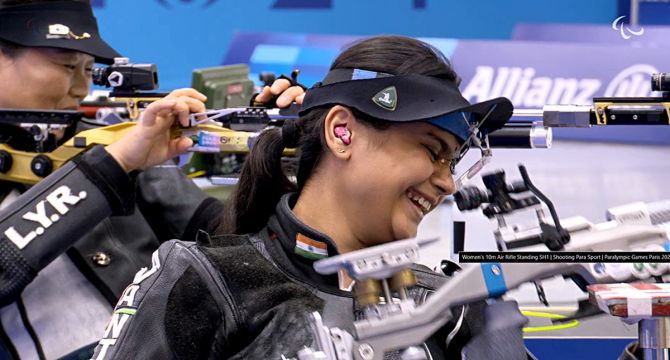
<point>47,219</point>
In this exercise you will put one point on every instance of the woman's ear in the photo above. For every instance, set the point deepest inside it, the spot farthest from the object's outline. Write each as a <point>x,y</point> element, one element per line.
<point>339,128</point>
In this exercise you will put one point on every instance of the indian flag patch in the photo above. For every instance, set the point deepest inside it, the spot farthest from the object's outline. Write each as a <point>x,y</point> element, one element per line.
<point>309,248</point>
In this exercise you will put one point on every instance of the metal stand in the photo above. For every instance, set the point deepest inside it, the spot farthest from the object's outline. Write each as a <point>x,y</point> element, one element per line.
<point>654,337</point>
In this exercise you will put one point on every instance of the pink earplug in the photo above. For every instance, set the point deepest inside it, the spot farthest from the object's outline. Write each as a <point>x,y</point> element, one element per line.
<point>344,135</point>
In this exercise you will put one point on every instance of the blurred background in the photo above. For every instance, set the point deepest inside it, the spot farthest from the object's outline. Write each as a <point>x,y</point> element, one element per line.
<point>534,52</point>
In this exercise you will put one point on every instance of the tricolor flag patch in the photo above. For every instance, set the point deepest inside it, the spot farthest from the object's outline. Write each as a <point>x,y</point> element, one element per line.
<point>309,248</point>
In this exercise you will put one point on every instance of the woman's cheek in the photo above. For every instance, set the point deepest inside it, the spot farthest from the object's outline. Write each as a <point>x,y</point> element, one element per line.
<point>403,227</point>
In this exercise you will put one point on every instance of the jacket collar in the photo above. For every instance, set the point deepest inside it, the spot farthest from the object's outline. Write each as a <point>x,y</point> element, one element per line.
<point>301,244</point>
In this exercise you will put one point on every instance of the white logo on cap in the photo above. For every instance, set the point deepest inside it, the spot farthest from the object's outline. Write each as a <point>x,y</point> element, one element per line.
<point>386,98</point>
<point>60,31</point>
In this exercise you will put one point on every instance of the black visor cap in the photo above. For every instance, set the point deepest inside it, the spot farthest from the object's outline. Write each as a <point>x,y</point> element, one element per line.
<point>59,24</point>
<point>417,98</point>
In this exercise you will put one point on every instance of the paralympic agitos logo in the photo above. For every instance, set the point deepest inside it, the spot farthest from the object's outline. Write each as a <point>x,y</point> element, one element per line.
<point>625,31</point>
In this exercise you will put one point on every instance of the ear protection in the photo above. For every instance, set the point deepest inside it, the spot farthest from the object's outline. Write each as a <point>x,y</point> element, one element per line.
<point>344,134</point>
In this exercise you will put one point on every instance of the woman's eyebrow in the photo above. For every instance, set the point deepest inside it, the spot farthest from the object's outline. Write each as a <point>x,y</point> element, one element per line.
<point>67,57</point>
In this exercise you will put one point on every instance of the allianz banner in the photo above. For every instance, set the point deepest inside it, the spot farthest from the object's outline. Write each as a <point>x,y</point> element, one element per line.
<point>533,74</point>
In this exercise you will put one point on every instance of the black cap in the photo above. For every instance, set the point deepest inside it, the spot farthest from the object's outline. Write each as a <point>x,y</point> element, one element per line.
<point>58,24</point>
<point>406,98</point>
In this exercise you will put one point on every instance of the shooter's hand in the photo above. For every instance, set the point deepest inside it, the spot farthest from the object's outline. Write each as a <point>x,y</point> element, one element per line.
<point>286,93</point>
<point>149,142</point>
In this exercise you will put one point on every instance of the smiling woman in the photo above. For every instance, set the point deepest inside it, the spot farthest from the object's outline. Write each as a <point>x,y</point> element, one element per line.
<point>396,162</point>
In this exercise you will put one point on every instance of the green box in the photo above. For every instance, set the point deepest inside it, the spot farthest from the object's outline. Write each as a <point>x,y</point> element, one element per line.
<point>225,86</point>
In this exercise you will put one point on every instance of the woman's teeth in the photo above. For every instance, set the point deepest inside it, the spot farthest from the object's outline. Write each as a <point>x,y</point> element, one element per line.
<point>419,200</point>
